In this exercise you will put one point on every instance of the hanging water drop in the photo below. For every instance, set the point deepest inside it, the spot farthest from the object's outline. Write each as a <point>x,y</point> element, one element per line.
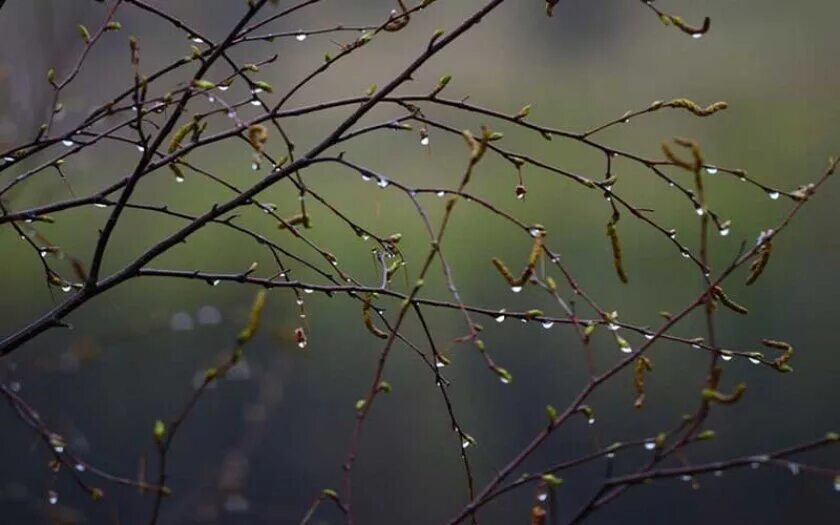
<point>67,142</point>
<point>726,357</point>
<point>424,141</point>
<point>649,336</point>
<point>542,496</point>
<point>382,183</point>
<point>141,149</point>
<point>699,211</point>
<point>547,324</point>
<point>223,87</point>
<point>613,327</point>
<point>440,193</point>
<point>308,290</point>
<point>300,37</point>
<point>501,317</point>
<point>179,179</point>
<point>515,289</point>
<point>80,467</point>
<point>774,195</point>
<point>52,497</point>
<point>299,302</point>
<point>590,421</point>
<point>697,36</point>
<point>754,361</point>
<point>255,102</point>
<point>711,170</point>
<point>66,287</point>
<point>650,445</point>
<point>685,254</point>
<point>215,282</point>
<point>724,232</point>
<point>794,468</point>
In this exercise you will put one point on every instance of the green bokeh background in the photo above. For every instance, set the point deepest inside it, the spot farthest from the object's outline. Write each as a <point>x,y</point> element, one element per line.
<point>775,63</point>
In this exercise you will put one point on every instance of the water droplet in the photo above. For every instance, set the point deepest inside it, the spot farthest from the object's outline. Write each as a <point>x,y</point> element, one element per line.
<point>697,36</point>
<point>466,442</point>
<point>505,380</point>
<point>80,468</point>
<point>424,141</point>
<point>699,211</point>
<point>52,497</point>
<point>256,91</point>
<point>711,170</point>
<point>774,195</point>
<point>440,193</point>
<point>591,421</point>
<point>223,87</point>
<point>59,449</point>
<point>613,327</point>
<point>382,183</point>
<point>685,477</point>
<point>440,363</point>
<point>695,346</point>
<point>724,232</point>
<point>302,344</point>
<point>43,253</point>
<point>68,143</point>
<point>718,473</point>
<point>211,99</point>
<point>141,149</point>
<point>611,455</point>
<point>742,179</point>
<point>299,302</point>
<point>255,102</point>
<point>536,232</point>
<point>672,234</point>
<point>515,289</point>
<point>179,179</point>
<point>726,357</point>
<point>650,445</point>
<point>255,166</point>
<point>9,159</point>
<point>649,336</point>
<point>754,361</point>
<point>794,468</point>
<point>547,324</point>
<point>197,39</point>
<point>66,287</point>
<point>501,317</point>
<point>627,349</point>
<point>300,37</point>
<point>685,254</point>
<point>308,290</point>
<point>542,496</point>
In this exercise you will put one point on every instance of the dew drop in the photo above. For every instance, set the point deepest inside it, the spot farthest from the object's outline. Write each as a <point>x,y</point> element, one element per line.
<point>382,183</point>
<point>256,91</point>
<point>365,176</point>
<point>613,327</point>
<point>711,170</point>
<point>697,36</point>
<point>52,497</point>
<point>837,483</point>
<point>548,324</point>
<point>15,386</point>
<point>699,211</point>
<point>9,159</point>
<point>590,421</point>
<point>650,445</point>
<point>536,232</point>
<point>141,149</point>
<point>255,102</point>
<point>179,179</point>
<point>542,496</point>
<point>515,289</point>
<point>794,468</point>
<point>43,253</point>
<point>79,467</point>
<point>685,477</point>
<point>685,254</point>
<point>724,232</point>
<point>695,346</point>
<point>726,357</point>
<point>466,443</point>
<point>300,37</point>
<point>365,237</point>
<point>211,99</point>
<point>215,282</point>
<point>611,455</point>
<point>774,195</point>
<point>505,380</point>
<point>501,317</point>
<point>223,87</point>
<point>66,287</point>
<point>424,141</point>
<point>299,302</point>
<point>308,290</point>
<point>440,193</point>
<point>254,166</point>
<point>59,449</point>
<point>301,344</point>
<point>68,143</point>
<point>754,361</point>
<point>649,336</point>
<point>197,39</point>
<point>627,349</point>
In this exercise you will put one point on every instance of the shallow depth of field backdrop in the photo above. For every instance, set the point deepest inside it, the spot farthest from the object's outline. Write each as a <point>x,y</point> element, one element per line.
<point>285,419</point>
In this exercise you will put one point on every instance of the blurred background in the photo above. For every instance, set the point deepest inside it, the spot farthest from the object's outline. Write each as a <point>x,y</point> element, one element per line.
<point>263,442</point>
